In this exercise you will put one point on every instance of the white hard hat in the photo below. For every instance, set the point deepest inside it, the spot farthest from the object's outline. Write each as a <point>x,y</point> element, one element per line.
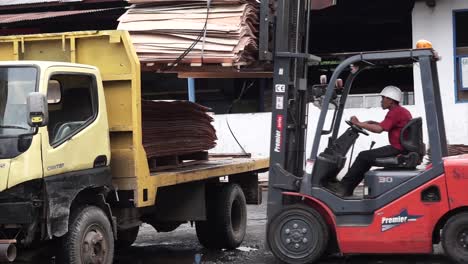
<point>392,92</point>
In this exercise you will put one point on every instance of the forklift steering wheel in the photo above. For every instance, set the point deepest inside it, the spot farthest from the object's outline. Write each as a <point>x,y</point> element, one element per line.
<point>356,128</point>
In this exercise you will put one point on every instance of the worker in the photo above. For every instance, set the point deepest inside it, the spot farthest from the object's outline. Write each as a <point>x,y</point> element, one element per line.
<point>396,118</point>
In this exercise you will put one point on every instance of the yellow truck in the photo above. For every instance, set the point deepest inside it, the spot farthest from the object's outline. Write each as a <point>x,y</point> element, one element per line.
<point>72,163</point>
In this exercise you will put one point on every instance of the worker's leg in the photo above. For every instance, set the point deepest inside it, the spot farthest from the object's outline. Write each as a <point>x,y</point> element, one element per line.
<point>362,164</point>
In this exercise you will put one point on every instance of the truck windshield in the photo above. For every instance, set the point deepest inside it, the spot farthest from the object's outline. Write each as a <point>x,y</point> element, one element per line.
<point>15,85</point>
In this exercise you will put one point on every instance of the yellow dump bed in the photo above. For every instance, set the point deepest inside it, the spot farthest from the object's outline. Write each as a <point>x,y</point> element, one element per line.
<point>113,53</point>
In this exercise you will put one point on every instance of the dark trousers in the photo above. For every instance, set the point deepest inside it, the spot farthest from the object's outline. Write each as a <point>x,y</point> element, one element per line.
<point>362,164</point>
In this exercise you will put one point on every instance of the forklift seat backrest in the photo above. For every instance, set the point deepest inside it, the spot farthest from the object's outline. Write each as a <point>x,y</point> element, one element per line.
<point>411,138</point>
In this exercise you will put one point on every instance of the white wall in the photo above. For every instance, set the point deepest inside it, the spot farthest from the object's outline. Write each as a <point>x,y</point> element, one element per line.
<point>435,24</point>
<point>253,131</point>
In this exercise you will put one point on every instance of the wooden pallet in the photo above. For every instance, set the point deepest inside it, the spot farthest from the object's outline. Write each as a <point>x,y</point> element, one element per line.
<point>191,66</point>
<point>230,155</point>
<point>207,70</point>
<point>176,161</point>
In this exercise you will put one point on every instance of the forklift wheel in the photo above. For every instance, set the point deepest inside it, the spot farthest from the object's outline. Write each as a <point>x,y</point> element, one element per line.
<point>455,238</point>
<point>297,235</point>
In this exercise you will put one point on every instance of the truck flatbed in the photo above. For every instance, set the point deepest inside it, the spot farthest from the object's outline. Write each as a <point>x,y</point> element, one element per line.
<point>213,168</point>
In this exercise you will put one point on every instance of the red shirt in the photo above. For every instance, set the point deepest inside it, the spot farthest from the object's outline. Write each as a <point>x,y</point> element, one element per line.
<point>394,121</point>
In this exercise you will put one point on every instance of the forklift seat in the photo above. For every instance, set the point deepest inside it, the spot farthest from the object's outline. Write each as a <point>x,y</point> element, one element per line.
<point>411,138</point>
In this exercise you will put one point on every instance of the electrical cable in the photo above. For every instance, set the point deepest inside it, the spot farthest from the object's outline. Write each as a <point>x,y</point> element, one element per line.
<point>208,4</point>
<point>243,91</point>
<point>195,42</point>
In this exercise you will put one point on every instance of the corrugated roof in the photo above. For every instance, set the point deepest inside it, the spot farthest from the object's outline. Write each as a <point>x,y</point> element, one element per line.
<point>31,2</point>
<point>14,18</point>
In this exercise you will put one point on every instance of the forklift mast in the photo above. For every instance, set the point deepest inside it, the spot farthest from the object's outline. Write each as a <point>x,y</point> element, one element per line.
<point>289,102</point>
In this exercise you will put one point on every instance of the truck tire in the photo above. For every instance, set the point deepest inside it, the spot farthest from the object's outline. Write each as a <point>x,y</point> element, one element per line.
<point>226,219</point>
<point>455,238</point>
<point>89,238</point>
<point>206,232</point>
<point>297,235</point>
<point>126,237</point>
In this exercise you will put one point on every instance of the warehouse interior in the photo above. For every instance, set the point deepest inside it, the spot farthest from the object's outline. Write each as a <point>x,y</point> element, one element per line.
<point>334,31</point>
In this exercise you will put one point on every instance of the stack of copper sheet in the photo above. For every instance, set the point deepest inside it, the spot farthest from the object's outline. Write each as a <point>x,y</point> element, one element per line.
<point>453,150</point>
<point>176,128</point>
<point>178,31</point>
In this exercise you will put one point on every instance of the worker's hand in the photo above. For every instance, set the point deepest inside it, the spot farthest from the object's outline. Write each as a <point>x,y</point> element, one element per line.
<point>355,120</point>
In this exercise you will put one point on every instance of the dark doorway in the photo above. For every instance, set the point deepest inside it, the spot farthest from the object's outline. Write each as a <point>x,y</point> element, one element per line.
<point>362,25</point>
<point>357,26</point>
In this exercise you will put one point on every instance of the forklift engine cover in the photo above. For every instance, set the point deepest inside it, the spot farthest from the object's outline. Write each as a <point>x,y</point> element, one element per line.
<point>377,182</point>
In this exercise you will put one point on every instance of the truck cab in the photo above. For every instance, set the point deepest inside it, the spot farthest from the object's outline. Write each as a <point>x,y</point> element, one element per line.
<point>45,165</point>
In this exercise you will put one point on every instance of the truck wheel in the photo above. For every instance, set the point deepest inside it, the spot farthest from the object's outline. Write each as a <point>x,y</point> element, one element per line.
<point>455,238</point>
<point>226,219</point>
<point>126,237</point>
<point>298,235</point>
<point>89,238</point>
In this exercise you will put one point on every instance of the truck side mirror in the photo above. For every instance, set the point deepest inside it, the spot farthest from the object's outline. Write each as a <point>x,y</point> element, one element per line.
<point>38,112</point>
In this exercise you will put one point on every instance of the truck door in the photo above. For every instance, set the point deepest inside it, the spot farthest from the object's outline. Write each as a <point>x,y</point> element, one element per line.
<point>77,139</point>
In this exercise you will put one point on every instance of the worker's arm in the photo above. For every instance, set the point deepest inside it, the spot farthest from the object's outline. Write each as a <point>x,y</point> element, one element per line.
<point>372,126</point>
<point>372,122</point>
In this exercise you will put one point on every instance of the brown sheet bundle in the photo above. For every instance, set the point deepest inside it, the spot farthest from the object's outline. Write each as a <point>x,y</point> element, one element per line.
<point>453,150</point>
<point>162,30</point>
<point>176,128</point>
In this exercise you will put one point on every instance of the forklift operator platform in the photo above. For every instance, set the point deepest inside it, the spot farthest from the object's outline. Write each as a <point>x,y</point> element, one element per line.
<point>393,155</point>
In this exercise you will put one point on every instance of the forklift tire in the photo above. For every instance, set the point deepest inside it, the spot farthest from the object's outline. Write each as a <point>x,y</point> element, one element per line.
<point>89,238</point>
<point>126,237</point>
<point>455,238</point>
<point>298,235</point>
<point>226,219</point>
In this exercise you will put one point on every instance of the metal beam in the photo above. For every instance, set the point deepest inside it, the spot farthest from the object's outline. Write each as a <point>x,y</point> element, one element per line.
<point>191,89</point>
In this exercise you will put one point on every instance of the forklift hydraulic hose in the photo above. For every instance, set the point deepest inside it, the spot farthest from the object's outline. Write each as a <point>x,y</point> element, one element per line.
<point>351,157</point>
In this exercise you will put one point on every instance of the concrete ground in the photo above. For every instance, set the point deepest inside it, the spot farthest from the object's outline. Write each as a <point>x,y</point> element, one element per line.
<point>182,247</point>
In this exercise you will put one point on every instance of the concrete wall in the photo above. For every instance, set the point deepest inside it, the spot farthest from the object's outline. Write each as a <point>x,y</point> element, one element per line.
<point>253,131</point>
<point>434,24</point>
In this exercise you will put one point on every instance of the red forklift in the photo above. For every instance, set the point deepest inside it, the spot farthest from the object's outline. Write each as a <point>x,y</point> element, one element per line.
<point>404,209</point>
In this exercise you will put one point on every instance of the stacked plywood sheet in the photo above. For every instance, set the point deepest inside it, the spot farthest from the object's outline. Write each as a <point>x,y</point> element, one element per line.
<point>176,128</point>
<point>453,150</point>
<point>188,32</point>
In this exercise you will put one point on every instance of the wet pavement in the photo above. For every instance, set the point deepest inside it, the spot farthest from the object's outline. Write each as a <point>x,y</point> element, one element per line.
<point>181,247</point>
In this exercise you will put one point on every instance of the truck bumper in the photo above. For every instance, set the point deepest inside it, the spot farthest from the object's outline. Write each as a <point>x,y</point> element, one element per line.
<point>16,213</point>
<point>17,203</point>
